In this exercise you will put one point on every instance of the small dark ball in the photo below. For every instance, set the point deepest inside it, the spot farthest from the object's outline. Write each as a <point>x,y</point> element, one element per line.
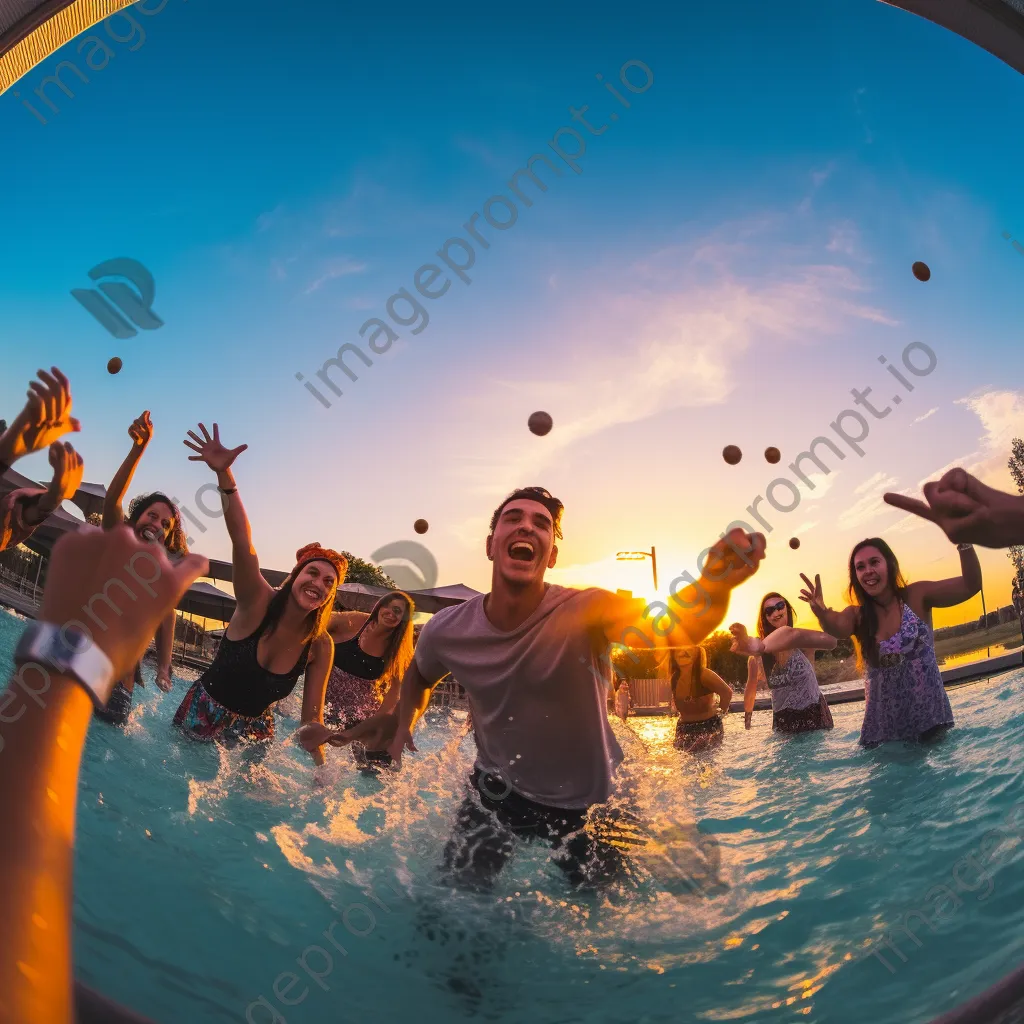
<point>421,526</point>
<point>921,271</point>
<point>540,423</point>
<point>731,454</point>
<point>114,365</point>
<point>772,455</point>
<point>794,542</point>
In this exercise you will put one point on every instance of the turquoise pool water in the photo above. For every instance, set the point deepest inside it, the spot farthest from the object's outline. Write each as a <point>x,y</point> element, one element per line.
<point>200,880</point>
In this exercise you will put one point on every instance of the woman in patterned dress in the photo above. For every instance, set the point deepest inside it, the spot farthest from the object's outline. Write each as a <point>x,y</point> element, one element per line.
<point>904,698</point>
<point>783,657</point>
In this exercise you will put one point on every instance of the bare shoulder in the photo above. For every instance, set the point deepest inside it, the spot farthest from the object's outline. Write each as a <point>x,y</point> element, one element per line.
<point>918,595</point>
<point>322,647</point>
<point>248,615</point>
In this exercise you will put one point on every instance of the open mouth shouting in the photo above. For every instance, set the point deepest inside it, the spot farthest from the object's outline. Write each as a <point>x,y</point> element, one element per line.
<point>150,534</point>
<point>313,593</point>
<point>522,550</point>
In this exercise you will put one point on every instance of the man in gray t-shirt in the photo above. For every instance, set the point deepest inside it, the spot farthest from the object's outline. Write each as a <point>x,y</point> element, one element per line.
<point>534,661</point>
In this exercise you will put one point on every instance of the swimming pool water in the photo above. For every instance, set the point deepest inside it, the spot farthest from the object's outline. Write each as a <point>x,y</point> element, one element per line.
<point>201,879</point>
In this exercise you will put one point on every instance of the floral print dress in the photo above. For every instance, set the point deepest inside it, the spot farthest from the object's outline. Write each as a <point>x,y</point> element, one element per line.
<point>904,696</point>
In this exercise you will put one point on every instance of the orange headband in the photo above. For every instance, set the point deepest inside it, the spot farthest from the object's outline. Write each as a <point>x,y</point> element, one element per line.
<point>315,553</point>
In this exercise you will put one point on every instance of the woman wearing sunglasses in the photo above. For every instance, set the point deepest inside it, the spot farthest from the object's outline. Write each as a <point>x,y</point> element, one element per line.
<point>784,658</point>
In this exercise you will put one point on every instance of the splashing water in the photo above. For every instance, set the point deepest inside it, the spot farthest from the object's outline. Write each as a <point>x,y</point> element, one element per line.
<point>211,885</point>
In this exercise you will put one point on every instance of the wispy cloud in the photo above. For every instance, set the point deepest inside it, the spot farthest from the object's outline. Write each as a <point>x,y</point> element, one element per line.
<point>924,416</point>
<point>844,238</point>
<point>335,269</point>
<point>870,503</point>
<point>672,331</point>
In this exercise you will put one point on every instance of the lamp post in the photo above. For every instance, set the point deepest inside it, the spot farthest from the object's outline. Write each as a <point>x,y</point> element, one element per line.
<point>639,556</point>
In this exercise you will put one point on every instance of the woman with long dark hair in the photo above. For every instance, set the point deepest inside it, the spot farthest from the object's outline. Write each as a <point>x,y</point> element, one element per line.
<point>891,623</point>
<point>371,653</point>
<point>694,688</point>
<point>783,657</point>
<point>155,520</point>
<point>274,636</point>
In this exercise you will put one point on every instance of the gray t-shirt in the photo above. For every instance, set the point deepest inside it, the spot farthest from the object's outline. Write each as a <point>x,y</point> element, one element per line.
<point>538,694</point>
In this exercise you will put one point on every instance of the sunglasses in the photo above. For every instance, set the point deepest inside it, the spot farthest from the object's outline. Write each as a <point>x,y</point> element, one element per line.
<point>771,609</point>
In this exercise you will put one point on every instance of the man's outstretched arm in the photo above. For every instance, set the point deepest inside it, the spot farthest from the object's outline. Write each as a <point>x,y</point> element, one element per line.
<point>695,607</point>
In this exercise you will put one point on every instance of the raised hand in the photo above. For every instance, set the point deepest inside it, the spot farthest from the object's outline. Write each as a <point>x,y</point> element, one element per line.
<point>164,681</point>
<point>141,430</point>
<point>68,468</point>
<point>211,451</point>
<point>45,418</point>
<point>812,594</point>
<point>734,559</point>
<point>968,511</point>
<point>743,642</point>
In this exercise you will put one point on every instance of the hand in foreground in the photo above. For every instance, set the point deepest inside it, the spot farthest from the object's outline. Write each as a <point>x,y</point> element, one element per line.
<point>91,563</point>
<point>141,430</point>
<point>968,511</point>
<point>734,559</point>
<point>164,681</point>
<point>743,642</point>
<point>812,594</point>
<point>45,418</point>
<point>211,451</point>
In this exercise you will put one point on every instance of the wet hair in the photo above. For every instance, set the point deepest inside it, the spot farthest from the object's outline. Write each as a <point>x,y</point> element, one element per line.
<point>865,633</point>
<point>175,542</point>
<point>319,619</point>
<point>764,627</point>
<point>540,495</point>
<point>697,666</point>
<point>398,652</point>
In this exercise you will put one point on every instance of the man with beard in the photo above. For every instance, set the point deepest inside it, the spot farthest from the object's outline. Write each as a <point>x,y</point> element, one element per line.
<point>533,659</point>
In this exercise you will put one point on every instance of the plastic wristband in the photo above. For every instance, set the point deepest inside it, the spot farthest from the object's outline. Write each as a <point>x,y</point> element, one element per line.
<point>965,547</point>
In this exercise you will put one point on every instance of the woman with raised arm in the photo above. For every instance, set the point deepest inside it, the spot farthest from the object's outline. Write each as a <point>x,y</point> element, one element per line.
<point>274,636</point>
<point>694,688</point>
<point>371,653</point>
<point>155,520</point>
<point>783,657</point>
<point>904,698</point>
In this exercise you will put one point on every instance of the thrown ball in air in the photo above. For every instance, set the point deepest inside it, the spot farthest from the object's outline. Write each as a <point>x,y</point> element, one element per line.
<point>114,365</point>
<point>772,455</point>
<point>540,423</point>
<point>921,271</point>
<point>421,526</point>
<point>731,454</point>
<point>794,542</point>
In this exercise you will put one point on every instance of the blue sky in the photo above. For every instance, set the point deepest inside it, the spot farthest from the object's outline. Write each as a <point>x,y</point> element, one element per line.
<point>731,261</point>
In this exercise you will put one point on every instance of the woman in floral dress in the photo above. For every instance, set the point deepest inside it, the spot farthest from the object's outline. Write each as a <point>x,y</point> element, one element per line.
<point>904,698</point>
